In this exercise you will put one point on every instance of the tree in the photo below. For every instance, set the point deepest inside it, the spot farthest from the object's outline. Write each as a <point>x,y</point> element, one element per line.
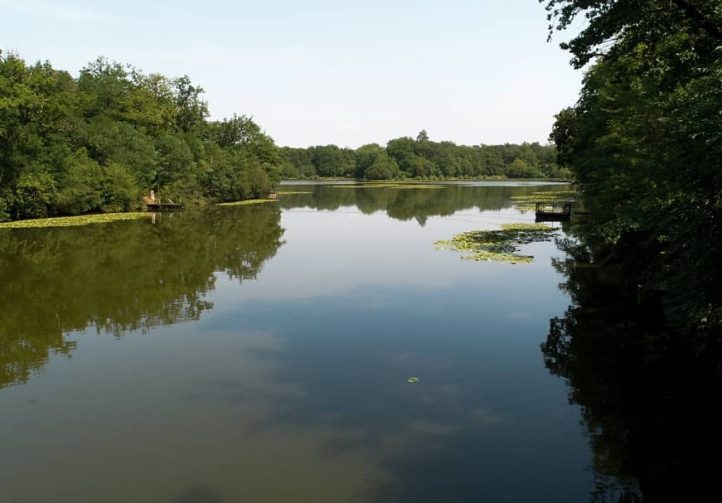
<point>95,143</point>
<point>562,135</point>
<point>609,22</point>
<point>644,141</point>
<point>382,168</point>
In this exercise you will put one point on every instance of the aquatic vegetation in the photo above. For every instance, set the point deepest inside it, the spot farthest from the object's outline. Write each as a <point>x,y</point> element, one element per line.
<point>373,185</point>
<point>527,202</point>
<point>293,192</point>
<point>248,202</point>
<point>102,218</point>
<point>497,245</point>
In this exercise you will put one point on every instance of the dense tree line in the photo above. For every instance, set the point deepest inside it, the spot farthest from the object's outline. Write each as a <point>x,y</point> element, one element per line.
<point>424,159</point>
<point>645,143</point>
<point>98,142</point>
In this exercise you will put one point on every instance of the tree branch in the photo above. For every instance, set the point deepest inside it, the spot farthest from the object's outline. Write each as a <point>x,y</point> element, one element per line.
<point>699,18</point>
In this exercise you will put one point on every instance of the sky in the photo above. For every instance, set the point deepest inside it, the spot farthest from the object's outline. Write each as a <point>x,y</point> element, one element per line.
<point>317,72</point>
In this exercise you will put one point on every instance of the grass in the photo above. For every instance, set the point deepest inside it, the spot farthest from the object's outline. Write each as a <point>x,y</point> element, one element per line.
<point>248,202</point>
<point>497,245</point>
<point>43,223</point>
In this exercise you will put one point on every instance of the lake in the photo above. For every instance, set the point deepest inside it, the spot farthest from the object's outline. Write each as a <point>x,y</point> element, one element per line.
<point>263,354</point>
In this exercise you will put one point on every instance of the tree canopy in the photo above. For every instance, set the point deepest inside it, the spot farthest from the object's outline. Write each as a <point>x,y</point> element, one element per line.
<point>644,141</point>
<point>97,142</point>
<point>422,158</point>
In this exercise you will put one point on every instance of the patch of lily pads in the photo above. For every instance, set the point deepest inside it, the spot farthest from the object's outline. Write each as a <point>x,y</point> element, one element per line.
<point>379,185</point>
<point>497,245</point>
<point>248,202</point>
<point>43,223</point>
<point>527,202</point>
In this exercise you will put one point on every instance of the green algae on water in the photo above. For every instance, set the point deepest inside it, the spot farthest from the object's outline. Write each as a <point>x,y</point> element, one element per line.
<point>248,202</point>
<point>527,202</point>
<point>497,245</point>
<point>388,185</point>
<point>102,218</point>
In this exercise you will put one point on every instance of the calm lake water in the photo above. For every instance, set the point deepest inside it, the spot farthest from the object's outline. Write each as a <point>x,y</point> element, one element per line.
<point>261,354</point>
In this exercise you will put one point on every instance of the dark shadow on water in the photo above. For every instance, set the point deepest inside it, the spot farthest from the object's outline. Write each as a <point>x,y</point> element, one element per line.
<point>650,398</point>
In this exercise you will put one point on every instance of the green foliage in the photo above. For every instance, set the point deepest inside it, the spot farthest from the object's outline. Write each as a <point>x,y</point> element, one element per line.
<point>77,221</point>
<point>644,141</point>
<point>35,195</point>
<point>4,210</point>
<point>497,245</point>
<point>521,169</point>
<point>383,168</point>
<point>80,182</point>
<point>423,159</point>
<point>99,142</point>
<point>563,135</point>
<point>332,161</point>
<point>118,189</point>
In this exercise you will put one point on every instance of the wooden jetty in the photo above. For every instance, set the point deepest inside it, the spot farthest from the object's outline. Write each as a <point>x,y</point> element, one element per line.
<point>155,203</point>
<point>553,212</point>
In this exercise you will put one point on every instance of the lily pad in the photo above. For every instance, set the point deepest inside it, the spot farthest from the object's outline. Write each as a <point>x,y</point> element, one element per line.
<point>248,202</point>
<point>497,245</point>
<point>102,218</point>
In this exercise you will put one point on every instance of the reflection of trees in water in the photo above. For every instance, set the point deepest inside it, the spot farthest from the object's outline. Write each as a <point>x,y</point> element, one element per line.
<point>648,396</point>
<point>117,277</point>
<point>407,204</point>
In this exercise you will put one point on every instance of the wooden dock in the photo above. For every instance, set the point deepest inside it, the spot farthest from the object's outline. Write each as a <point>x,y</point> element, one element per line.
<point>553,212</point>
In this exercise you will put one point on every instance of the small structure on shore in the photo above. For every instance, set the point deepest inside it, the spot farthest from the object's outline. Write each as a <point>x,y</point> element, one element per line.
<point>153,203</point>
<point>553,212</point>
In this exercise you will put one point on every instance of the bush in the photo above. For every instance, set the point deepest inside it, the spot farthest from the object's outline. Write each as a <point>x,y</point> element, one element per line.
<point>119,189</point>
<point>4,210</point>
<point>80,190</point>
<point>35,196</point>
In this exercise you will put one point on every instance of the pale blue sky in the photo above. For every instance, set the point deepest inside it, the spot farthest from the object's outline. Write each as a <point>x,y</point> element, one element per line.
<point>318,71</point>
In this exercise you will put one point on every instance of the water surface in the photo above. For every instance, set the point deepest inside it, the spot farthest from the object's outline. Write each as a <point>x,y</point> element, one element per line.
<point>261,353</point>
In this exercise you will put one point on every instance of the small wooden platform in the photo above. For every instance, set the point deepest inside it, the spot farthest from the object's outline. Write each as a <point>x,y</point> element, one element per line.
<point>164,206</point>
<point>553,212</point>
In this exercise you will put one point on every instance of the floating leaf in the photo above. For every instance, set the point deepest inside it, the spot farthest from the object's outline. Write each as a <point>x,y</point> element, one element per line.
<point>102,218</point>
<point>497,245</point>
<point>247,202</point>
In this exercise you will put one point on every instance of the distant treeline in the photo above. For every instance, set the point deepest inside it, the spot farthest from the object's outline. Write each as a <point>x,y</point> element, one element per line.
<point>98,142</point>
<point>424,159</point>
